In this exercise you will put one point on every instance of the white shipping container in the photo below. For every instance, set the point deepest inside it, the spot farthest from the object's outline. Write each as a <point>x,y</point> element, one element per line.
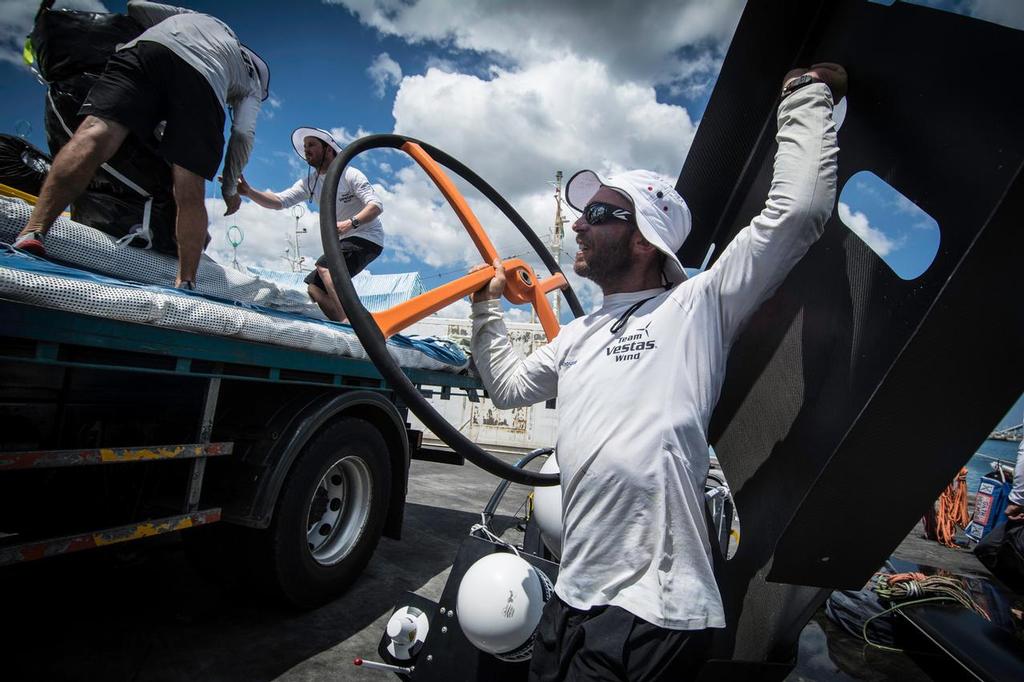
<point>518,430</point>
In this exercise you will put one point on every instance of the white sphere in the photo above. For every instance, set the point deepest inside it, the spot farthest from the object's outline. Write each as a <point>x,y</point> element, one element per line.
<point>547,509</point>
<point>499,605</point>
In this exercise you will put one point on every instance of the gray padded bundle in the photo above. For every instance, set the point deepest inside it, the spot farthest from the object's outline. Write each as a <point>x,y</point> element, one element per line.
<point>83,246</point>
<point>165,307</point>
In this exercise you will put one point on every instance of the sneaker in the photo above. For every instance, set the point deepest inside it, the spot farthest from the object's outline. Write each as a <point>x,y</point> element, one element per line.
<point>31,242</point>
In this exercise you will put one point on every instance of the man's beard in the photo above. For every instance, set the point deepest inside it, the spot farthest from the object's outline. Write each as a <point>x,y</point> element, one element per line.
<point>606,263</point>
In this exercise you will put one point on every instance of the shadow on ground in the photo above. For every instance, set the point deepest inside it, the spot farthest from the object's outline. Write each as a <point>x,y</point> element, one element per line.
<point>145,614</point>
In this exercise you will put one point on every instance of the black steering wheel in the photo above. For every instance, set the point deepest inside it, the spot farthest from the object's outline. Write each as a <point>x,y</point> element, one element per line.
<point>522,286</point>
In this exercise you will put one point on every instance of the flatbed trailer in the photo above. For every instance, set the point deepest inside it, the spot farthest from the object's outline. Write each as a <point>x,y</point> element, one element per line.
<point>284,466</point>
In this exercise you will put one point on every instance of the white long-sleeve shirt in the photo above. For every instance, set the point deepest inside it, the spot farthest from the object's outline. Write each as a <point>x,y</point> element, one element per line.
<point>634,406</point>
<point>354,192</point>
<point>211,48</point>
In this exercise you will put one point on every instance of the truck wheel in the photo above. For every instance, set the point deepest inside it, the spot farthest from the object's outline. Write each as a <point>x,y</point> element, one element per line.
<point>330,512</point>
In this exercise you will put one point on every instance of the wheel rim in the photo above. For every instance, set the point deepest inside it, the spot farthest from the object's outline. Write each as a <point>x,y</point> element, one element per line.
<point>339,510</point>
<point>369,333</point>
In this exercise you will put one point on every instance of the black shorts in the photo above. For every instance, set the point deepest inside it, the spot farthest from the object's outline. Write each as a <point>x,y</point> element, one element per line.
<point>357,252</point>
<point>146,84</point>
<point>609,643</point>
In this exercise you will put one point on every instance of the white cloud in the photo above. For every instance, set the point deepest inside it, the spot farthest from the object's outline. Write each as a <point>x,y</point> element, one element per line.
<point>343,136</point>
<point>519,127</point>
<point>266,235</point>
<point>638,41</point>
<point>384,72</point>
<point>516,130</point>
<point>16,18</point>
<point>458,310</point>
<point>857,221</point>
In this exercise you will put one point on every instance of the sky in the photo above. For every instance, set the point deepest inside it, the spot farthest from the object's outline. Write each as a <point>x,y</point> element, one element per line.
<point>515,90</point>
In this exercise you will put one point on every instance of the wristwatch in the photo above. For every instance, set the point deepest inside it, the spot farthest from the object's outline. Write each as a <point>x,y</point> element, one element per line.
<point>355,222</point>
<point>795,84</point>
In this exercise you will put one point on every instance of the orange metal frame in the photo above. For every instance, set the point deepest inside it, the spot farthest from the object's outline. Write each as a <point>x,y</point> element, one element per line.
<point>522,284</point>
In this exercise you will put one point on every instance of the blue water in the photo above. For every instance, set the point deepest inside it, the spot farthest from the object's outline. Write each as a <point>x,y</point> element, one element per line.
<point>979,466</point>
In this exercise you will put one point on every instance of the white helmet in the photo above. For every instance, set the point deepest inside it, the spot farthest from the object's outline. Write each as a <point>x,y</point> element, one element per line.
<point>499,604</point>
<point>547,509</point>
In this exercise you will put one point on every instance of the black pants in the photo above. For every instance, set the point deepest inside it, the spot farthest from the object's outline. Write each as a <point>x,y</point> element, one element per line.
<point>147,84</point>
<point>609,643</point>
<point>357,252</point>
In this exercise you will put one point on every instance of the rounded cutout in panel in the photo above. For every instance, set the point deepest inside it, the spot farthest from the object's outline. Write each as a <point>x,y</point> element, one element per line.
<point>895,228</point>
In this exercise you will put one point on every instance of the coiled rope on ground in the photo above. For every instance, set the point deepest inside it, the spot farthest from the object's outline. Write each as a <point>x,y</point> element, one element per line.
<point>909,589</point>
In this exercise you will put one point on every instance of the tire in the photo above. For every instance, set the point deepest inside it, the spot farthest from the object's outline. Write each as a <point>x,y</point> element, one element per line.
<point>330,513</point>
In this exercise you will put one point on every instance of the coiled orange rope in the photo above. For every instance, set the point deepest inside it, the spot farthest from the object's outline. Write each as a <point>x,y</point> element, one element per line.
<point>952,512</point>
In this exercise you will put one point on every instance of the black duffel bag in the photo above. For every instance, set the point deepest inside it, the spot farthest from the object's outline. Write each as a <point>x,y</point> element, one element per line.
<point>71,50</point>
<point>67,42</point>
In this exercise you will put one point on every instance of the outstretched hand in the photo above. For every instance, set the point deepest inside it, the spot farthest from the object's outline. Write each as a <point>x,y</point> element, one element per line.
<point>495,288</point>
<point>243,187</point>
<point>831,74</point>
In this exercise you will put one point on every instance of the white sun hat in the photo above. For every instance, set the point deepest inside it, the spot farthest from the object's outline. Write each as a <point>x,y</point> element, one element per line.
<point>661,214</point>
<point>300,134</point>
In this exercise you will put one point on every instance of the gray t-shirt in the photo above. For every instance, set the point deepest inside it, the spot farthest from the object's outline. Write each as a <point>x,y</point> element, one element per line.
<point>211,48</point>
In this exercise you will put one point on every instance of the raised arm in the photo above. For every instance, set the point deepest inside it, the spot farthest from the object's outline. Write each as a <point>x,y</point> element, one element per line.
<point>243,135</point>
<point>510,379</point>
<point>266,198</point>
<point>800,201</point>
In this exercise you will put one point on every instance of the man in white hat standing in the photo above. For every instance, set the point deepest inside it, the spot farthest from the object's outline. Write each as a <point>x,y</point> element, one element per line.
<point>636,382</point>
<point>359,226</point>
<point>170,87</point>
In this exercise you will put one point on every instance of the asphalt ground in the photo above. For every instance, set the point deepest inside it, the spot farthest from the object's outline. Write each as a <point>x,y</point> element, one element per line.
<point>141,612</point>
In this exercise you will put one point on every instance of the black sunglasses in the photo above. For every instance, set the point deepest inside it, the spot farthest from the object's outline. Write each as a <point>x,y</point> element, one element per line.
<point>598,213</point>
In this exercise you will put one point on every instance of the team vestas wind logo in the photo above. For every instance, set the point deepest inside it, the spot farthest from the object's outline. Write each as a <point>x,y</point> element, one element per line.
<point>632,345</point>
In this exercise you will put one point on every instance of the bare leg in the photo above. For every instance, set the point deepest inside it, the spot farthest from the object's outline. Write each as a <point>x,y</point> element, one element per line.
<point>95,141</point>
<point>327,300</point>
<point>191,225</point>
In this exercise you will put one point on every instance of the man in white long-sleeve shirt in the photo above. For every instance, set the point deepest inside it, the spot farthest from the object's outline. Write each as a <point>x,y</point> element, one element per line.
<point>636,382</point>
<point>360,230</point>
<point>170,87</point>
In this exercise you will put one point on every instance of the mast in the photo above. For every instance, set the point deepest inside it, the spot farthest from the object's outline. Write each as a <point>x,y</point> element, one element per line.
<point>557,234</point>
